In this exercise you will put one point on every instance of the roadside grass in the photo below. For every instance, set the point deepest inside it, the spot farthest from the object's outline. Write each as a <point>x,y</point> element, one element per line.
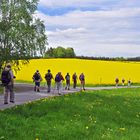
<point>64,83</point>
<point>89,115</point>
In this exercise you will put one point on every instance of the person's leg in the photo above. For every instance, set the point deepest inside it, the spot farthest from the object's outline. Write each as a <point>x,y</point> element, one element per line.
<point>116,84</point>
<point>35,87</point>
<point>49,86</point>
<point>83,85</point>
<point>38,86</point>
<point>74,86</point>
<point>12,95</point>
<point>6,90</point>
<point>59,87</point>
<point>68,85</point>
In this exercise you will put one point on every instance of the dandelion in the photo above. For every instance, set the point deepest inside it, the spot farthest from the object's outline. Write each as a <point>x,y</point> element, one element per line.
<point>122,129</point>
<point>44,100</point>
<point>2,137</point>
<point>118,112</point>
<point>86,127</point>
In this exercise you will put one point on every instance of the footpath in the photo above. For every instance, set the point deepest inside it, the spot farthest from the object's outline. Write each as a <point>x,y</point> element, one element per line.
<point>24,93</point>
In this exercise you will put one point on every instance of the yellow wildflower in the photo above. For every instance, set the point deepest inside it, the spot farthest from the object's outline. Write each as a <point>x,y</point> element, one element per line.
<point>122,129</point>
<point>86,127</point>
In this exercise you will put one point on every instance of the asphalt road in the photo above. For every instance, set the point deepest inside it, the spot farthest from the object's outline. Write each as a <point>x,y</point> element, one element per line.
<point>24,93</point>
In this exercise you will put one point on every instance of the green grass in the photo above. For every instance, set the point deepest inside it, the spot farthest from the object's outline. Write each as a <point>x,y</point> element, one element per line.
<point>87,85</point>
<point>91,115</point>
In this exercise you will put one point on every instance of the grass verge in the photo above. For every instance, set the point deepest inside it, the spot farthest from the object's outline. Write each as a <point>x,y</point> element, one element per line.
<point>107,115</point>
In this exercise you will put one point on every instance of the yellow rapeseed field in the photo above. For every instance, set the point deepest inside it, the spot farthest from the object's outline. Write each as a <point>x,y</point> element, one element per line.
<point>96,71</point>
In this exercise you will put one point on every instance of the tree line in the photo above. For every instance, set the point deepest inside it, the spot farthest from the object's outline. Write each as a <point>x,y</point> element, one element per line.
<point>61,52</point>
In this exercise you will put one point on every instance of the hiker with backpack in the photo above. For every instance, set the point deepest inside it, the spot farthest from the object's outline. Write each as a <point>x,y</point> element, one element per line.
<point>129,83</point>
<point>123,81</point>
<point>48,77</point>
<point>7,78</point>
<point>82,80</point>
<point>67,77</point>
<point>74,78</point>
<point>117,81</point>
<point>37,79</point>
<point>58,80</point>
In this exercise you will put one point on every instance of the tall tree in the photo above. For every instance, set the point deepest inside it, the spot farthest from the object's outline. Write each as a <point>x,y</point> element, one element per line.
<point>49,53</point>
<point>60,52</point>
<point>70,53</point>
<point>21,35</point>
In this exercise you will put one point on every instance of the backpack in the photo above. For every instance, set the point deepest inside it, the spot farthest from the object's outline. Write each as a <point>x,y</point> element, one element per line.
<point>5,77</point>
<point>117,80</point>
<point>82,77</point>
<point>58,78</point>
<point>74,77</point>
<point>36,76</point>
<point>67,77</point>
<point>48,76</point>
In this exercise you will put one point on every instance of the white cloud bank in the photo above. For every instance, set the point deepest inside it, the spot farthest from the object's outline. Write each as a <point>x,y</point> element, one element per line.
<point>112,33</point>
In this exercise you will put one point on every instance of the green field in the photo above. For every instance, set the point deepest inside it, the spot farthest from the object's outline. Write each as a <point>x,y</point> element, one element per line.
<point>91,115</point>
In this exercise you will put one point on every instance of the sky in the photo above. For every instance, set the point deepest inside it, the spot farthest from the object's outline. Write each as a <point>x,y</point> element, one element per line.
<point>100,28</point>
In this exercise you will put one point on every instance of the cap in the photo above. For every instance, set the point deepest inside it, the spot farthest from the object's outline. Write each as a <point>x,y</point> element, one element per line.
<point>8,65</point>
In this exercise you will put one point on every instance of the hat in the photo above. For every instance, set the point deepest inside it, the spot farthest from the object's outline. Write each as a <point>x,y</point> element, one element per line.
<point>8,65</point>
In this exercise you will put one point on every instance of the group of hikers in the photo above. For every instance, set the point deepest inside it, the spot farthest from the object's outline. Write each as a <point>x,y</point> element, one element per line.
<point>123,82</point>
<point>37,78</point>
<point>7,79</point>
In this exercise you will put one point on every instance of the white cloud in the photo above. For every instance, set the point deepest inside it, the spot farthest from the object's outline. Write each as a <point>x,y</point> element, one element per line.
<point>70,3</point>
<point>90,18</point>
<point>103,4</point>
<point>96,33</point>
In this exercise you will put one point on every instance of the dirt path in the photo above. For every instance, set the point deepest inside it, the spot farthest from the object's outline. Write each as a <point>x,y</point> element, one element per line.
<point>24,93</point>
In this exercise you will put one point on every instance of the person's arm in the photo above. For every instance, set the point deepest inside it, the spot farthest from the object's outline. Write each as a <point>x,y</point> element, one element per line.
<point>62,78</point>
<point>52,77</point>
<point>12,76</point>
<point>40,78</point>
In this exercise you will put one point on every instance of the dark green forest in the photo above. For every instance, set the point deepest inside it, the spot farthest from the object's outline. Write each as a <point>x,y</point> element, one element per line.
<point>61,52</point>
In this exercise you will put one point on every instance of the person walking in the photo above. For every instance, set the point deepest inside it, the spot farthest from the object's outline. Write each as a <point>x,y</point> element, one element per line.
<point>123,81</point>
<point>48,77</point>
<point>37,79</point>
<point>117,81</point>
<point>7,78</point>
<point>58,79</point>
<point>129,83</point>
<point>74,78</point>
<point>67,77</point>
<point>82,80</point>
